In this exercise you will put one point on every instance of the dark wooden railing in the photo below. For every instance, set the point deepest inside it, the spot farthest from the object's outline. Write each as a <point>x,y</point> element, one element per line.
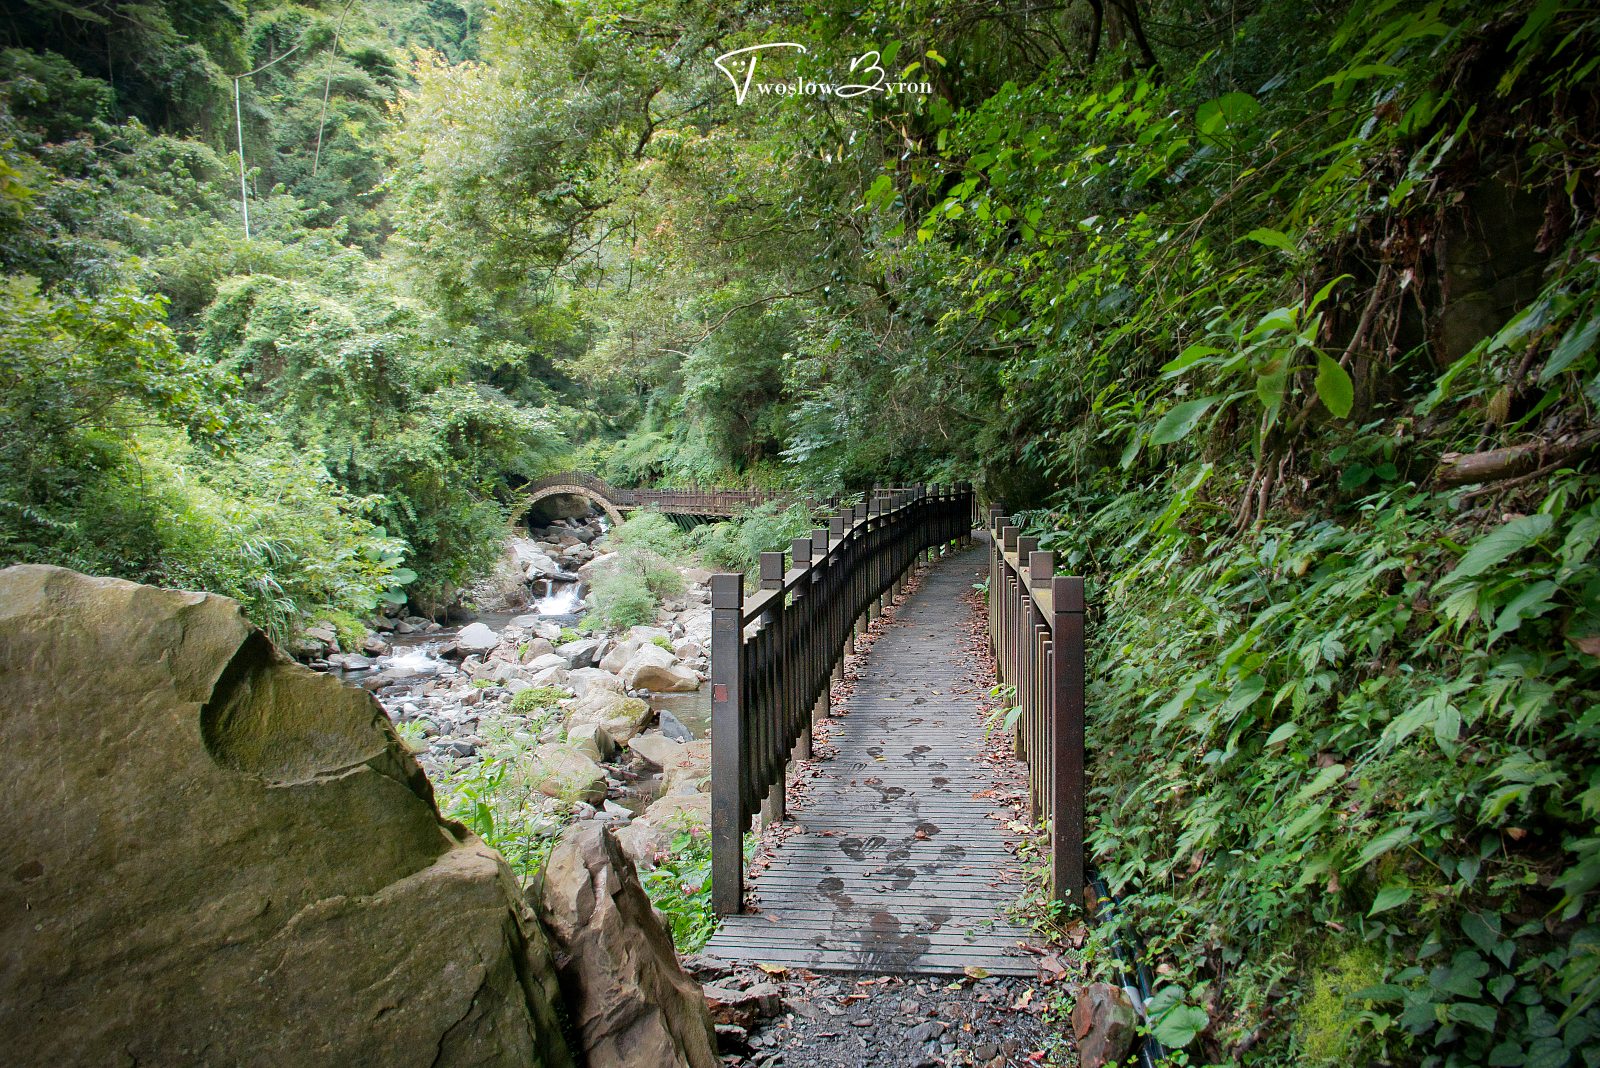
<point>1036,631</point>
<point>773,656</point>
<point>710,502</point>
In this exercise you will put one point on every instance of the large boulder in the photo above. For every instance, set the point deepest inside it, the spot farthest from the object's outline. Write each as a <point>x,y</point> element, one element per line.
<point>592,741</point>
<point>622,717</point>
<point>656,669</point>
<point>534,648</point>
<point>546,662</point>
<point>619,655</point>
<point>476,638</point>
<point>228,858</point>
<point>631,1004</point>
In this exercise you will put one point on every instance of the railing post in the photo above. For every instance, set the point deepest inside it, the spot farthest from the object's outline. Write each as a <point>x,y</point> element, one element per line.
<point>772,579</point>
<point>800,554</point>
<point>1067,600</point>
<point>727,744</point>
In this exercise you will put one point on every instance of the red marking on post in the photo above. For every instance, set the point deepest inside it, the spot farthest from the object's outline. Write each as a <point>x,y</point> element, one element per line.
<point>719,693</point>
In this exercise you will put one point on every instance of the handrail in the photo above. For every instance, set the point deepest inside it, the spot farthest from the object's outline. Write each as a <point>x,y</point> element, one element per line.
<point>1036,632</point>
<point>774,656</point>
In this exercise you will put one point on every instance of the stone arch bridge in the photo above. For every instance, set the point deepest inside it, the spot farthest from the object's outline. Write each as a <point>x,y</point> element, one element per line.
<point>615,501</point>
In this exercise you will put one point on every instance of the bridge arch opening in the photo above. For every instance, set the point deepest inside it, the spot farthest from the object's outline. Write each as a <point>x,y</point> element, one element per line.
<point>563,501</point>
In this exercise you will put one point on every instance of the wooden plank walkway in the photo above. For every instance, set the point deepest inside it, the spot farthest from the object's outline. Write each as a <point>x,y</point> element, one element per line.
<point>897,856</point>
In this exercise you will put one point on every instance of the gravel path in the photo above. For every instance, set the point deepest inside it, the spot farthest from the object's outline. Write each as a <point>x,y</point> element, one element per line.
<point>852,1021</point>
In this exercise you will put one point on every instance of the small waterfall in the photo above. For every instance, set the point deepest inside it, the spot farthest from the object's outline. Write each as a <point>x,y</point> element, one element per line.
<point>558,600</point>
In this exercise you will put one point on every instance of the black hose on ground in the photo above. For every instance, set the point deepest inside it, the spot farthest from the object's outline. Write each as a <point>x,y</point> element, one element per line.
<point>1136,978</point>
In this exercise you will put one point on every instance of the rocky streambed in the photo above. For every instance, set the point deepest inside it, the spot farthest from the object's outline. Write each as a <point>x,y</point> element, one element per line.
<point>600,726</point>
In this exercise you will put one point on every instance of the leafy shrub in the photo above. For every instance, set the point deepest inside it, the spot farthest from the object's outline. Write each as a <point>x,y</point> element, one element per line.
<point>737,544</point>
<point>680,886</point>
<point>622,598</point>
<point>649,530</point>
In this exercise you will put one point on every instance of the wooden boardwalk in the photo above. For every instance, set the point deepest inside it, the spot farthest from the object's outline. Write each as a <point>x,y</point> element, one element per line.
<point>897,857</point>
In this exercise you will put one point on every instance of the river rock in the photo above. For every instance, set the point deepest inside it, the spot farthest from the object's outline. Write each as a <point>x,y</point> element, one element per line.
<point>672,727</point>
<point>1104,1021</point>
<point>619,655</point>
<point>688,770</point>
<point>592,741</point>
<point>622,717</point>
<point>476,638</point>
<point>581,653</point>
<point>629,1001</point>
<point>563,772</point>
<point>644,842</point>
<point>655,748</point>
<point>535,648</point>
<point>228,857</point>
<point>547,661</point>
<point>656,669</point>
<point>553,676</point>
<point>585,681</point>
<point>680,811</point>
<point>746,1007</point>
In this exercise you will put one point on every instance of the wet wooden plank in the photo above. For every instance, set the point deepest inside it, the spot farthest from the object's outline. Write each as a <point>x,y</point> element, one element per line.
<point>903,860</point>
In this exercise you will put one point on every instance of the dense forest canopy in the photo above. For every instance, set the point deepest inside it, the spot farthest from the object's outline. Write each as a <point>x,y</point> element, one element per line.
<point>1278,320</point>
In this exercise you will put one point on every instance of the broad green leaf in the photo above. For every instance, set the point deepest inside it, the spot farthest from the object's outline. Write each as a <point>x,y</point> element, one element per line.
<point>1338,393</point>
<point>1474,1014</point>
<point>1225,112</point>
<point>1173,1021</point>
<point>1447,727</point>
<point>1324,779</point>
<point>1388,898</point>
<point>1188,358</point>
<point>1270,384</point>
<point>1497,545</point>
<point>1272,238</point>
<point>1283,732</point>
<point>1576,343</point>
<point>1244,694</point>
<point>1181,420</point>
<point>1387,842</point>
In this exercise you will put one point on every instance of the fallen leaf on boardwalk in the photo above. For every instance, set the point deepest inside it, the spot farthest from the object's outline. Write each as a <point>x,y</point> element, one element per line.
<point>973,972</point>
<point>920,834</point>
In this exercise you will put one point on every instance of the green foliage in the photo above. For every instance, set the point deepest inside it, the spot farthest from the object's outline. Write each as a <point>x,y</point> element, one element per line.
<point>622,597</point>
<point>538,698</point>
<point>298,433</point>
<point>349,630</point>
<point>628,588</point>
<point>411,734</point>
<point>737,545</point>
<point>680,886</point>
